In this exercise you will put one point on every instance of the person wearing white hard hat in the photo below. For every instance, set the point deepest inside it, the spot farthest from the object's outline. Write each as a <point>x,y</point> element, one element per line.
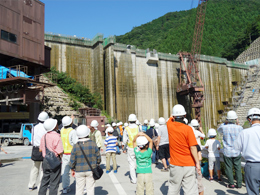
<point>163,144</point>
<point>78,164</point>
<point>197,131</point>
<point>116,133</point>
<point>248,142</point>
<point>128,136</point>
<point>95,134</point>
<point>143,145</point>
<point>145,126</point>
<point>213,147</point>
<point>69,138</point>
<point>232,157</point>
<point>183,154</point>
<point>37,132</point>
<point>52,141</point>
<point>110,144</point>
<point>106,126</point>
<point>152,133</point>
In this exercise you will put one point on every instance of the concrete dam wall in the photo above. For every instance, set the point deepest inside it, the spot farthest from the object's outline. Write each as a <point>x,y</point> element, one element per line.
<point>132,80</point>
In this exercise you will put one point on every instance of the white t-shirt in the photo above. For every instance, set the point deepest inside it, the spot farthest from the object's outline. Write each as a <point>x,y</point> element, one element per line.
<point>213,146</point>
<point>198,135</point>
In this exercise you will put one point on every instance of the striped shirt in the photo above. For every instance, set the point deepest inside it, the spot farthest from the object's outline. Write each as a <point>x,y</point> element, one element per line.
<point>110,143</point>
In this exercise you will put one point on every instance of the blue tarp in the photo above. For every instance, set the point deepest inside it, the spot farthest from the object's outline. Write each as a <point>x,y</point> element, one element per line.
<point>4,71</point>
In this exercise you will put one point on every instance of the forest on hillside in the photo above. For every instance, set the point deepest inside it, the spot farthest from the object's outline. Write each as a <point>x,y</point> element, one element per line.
<point>230,27</point>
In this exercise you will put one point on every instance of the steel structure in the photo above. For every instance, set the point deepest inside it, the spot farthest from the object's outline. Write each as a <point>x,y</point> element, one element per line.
<point>191,84</point>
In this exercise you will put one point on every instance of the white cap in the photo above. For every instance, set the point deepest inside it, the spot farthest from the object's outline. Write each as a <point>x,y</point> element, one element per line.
<point>141,141</point>
<point>110,130</point>
<point>107,125</point>
<point>178,110</point>
<point>120,123</point>
<point>125,124</point>
<point>94,123</point>
<point>132,118</point>
<point>66,121</point>
<point>145,121</point>
<point>194,123</point>
<point>113,124</point>
<point>212,132</point>
<point>137,122</point>
<point>231,115</point>
<point>82,131</point>
<point>253,113</point>
<point>50,124</point>
<point>152,123</point>
<point>161,121</point>
<point>43,116</point>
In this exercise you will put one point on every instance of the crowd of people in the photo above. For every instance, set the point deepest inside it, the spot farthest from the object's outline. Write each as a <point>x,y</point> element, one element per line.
<point>175,142</point>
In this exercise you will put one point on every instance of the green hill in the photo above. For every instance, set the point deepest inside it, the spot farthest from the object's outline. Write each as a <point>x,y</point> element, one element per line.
<point>225,21</point>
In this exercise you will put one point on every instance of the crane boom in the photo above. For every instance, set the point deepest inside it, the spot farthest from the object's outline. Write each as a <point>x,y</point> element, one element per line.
<point>191,84</point>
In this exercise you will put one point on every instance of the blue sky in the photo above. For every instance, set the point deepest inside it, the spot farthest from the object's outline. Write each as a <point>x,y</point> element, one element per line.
<point>86,18</point>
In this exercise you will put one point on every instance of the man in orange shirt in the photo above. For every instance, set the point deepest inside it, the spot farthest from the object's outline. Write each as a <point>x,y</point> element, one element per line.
<point>183,154</point>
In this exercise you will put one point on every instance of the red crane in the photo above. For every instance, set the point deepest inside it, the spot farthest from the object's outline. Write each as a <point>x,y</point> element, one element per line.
<point>190,82</point>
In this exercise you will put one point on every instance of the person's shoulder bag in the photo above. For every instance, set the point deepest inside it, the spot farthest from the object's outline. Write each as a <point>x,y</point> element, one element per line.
<point>97,172</point>
<point>51,158</point>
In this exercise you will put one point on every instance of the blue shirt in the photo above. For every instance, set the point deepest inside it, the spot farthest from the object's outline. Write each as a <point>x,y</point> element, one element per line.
<point>248,142</point>
<point>144,128</point>
<point>110,141</point>
<point>151,132</point>
<point>230,133</point>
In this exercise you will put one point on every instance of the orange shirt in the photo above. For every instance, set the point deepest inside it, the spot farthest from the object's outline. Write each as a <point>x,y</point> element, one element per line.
<point>121,130</point>
<point>181,137</point>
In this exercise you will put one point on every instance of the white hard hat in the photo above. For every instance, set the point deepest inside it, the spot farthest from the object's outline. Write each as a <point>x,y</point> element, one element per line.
<point>66,121</point>
<point>113,124</point>
<point>120,123</point>
<point>178,110</point>
<point>132,118</point>
<point>43,116</point>
<point>107,125</point>
<point>253,113</point>
<point>152,123</point>
<point>194,123</point>
<point>82,131</point>
<point>186,121</point>
<point>94,123</point>
<point>212,132</point>
<point>141,141</point>
<point>110,130</point>
<point>145,121</point>
<point>50,124</point>
<point>156,125</point>
<point>125,124</point>
<point>137,122</point>
<point>161,121</point>
<point>231,115</point>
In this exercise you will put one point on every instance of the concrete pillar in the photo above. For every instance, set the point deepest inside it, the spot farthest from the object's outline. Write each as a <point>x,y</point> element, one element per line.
<point>34,111</point>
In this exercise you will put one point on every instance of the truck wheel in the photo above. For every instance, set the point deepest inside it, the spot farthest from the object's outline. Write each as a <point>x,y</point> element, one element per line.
<point>26,142</point>
<point>6,142</point>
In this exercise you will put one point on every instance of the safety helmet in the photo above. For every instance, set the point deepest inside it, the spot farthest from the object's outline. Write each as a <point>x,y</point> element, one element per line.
<point>156,125</point>
<point>152,123</point>
<point>66,121</point>
<point>94,123</point>
<point>178,110</point>
<point>146,121</point>
<point>194,123</point>
<point>50,124</point>
<point>212,132</point>
<point>120,123</point>
<point>107,125</point>
<point>253,113</point>
<point>82,131</point>
<point>110,130</point>
<point>161,121</point>
<point>43,116</point>
<point>132,118</point>
<point>186,121</point>
<point>141,141</point>
<point>113,124</point>
<point>231,115</point>
<point>137,122</point>
<point>125,124</point>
